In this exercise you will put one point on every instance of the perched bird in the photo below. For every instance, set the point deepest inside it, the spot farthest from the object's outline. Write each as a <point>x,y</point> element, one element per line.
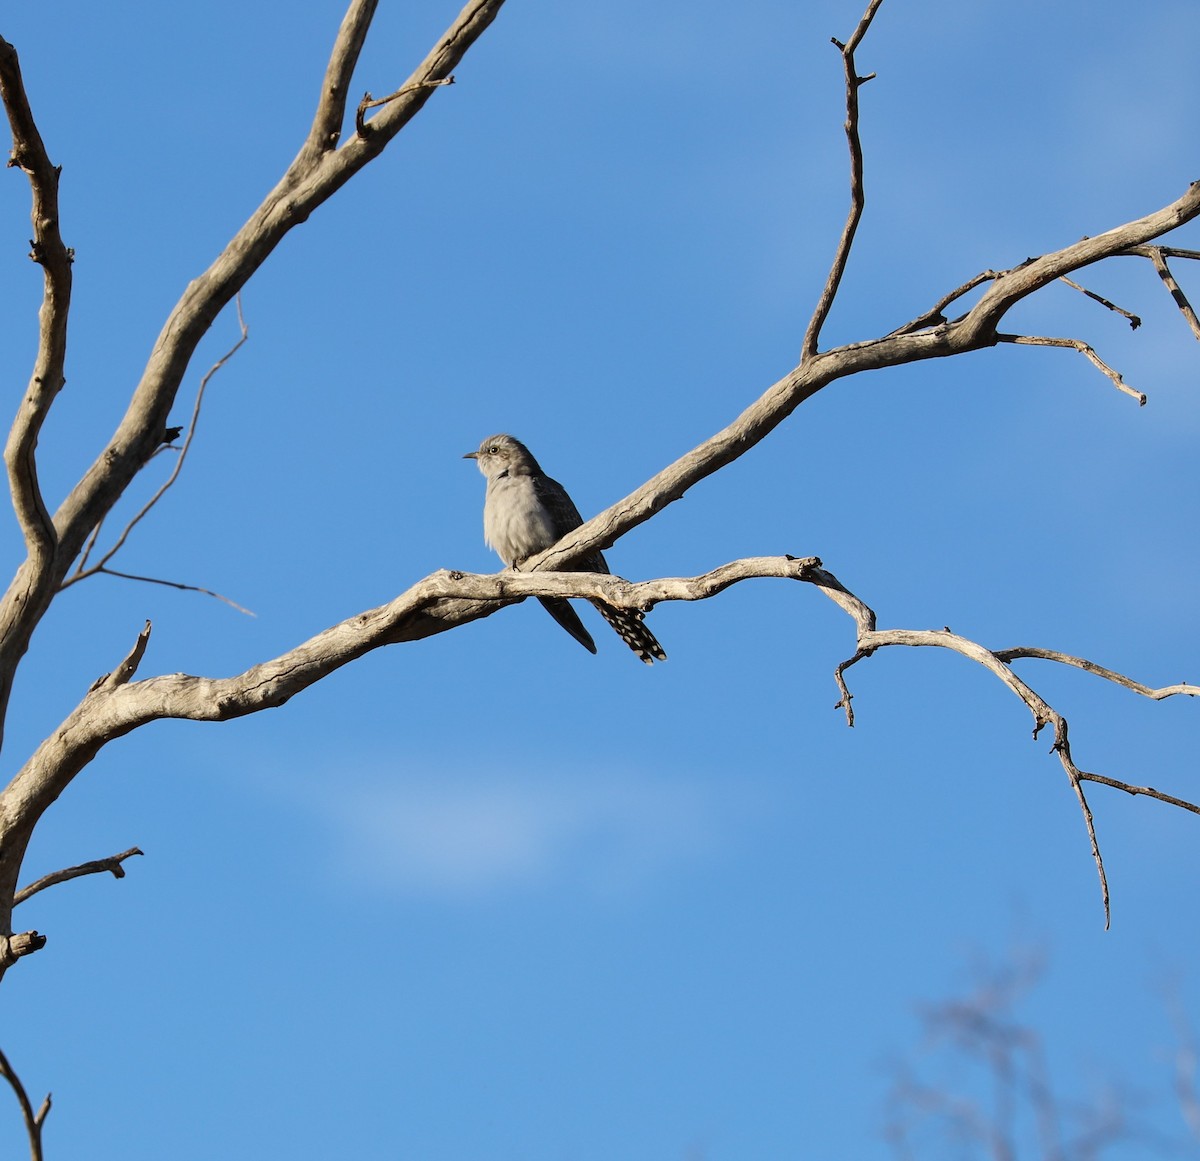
<point>525,512</point>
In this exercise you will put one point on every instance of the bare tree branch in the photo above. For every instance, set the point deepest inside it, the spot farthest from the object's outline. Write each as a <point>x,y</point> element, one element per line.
<point>973,331</point>
<point>317,173</point>
<point>331,109</point>
<point>1159,694</point>
<point>185,588</point>
<point>1158,255</point>
<point>1133,319</point>
<point>445,599</point>
<point>935,316</point>
<point>812,336</point>
<point>125,671</point>
<point>369,102</point>
<point>83,570</point>
<point>48,250</point>
<point>33,1121</point>
<point>14,947</point>
<point>112,864</point>
<point>1084,349</point>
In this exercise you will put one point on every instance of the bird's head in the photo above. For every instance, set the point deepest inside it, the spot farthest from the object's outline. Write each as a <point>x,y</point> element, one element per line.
<point>500,454</point>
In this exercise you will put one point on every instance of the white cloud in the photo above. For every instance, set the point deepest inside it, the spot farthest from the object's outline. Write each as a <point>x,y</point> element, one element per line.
<point>452,834</point>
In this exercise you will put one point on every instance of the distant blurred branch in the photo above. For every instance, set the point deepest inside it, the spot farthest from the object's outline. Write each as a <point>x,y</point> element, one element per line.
<point>998,1100</point>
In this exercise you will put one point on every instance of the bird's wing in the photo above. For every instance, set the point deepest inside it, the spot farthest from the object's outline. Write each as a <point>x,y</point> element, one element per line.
<point>566,519</point>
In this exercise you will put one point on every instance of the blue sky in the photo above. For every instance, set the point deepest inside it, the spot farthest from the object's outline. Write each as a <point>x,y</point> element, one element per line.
<point>487,896</point>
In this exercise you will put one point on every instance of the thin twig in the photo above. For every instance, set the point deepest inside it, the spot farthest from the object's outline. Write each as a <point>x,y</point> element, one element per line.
<point>936,313</point>
<point>82,572</point>
<point>1148,791</point>
<point>369,102</point>
<point>1134,321</point>
<point>112,864</point>
<point>87,548</point>
<point>154,580</point>
<point>1084,349</point>
<point>812,336</point>
<point>33,1121</point>
<point>1076,776</point>
<point>1159,694</point>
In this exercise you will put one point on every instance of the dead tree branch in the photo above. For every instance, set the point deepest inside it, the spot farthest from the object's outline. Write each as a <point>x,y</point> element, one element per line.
<point>935,315</point>
<point>170,584</point>
<point>368,102</point>
<point>812,336</point>
<point>15,947</point>
<point>1133,320</point>
<point>1085,350</point>
<point>112,865</point>
<point>1158,255</point>
<point>870,640</point>
<point>319,170</point>
<point>48,251</point>
<point>83,571</point>
<point>34,1121</point>
<point>444,600</point>
<point>975,330</point>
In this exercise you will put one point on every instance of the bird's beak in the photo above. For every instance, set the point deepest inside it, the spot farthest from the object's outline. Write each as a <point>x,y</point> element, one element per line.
<point>471,456</point>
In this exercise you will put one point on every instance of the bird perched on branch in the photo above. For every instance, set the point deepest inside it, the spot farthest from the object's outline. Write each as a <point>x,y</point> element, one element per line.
<point>525,512</point>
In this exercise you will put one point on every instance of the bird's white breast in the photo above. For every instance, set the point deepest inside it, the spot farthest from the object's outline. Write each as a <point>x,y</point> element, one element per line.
<point>515,522</point>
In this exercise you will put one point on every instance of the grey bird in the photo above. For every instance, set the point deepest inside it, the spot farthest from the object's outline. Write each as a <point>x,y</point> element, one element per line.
<point>525,511</point>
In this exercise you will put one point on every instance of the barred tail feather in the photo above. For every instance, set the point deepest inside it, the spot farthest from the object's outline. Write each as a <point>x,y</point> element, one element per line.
<point>632,630</point>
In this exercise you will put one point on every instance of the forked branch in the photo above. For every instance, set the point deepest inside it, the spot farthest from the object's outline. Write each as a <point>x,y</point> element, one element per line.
<point>34,1121</point>
<point>84,569</point>
<point>447,599</point>
<point>870,640</point>
<point>318,171</point>
<point>1158,255</point>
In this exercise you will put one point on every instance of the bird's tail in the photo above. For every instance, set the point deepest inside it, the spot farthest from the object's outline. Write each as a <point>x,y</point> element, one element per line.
<point>563,612</point>
<point>633,632</point>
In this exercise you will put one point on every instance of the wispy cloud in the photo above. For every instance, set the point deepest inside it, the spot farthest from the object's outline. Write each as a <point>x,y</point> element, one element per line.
<point>458,835</point>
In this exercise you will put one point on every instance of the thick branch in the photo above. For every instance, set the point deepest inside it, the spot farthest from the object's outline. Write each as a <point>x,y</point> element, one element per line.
<point>335,88</point>
<point>316,174</point>
<point>115,706</point>
<point>48,250</point>
<point>975,330</point>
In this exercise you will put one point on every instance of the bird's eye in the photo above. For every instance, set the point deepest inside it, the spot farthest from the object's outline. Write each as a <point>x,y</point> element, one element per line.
<point>493,450</point>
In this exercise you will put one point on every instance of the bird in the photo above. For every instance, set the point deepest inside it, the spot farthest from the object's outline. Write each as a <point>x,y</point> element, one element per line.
<point>524,512</point>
